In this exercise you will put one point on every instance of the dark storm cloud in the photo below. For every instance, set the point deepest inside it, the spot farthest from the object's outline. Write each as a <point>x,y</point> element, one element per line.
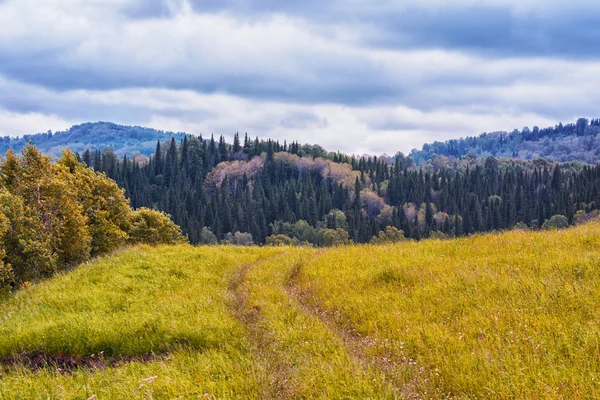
<point>338,80</point>
<point>486,31</point>
<point>492,30</point>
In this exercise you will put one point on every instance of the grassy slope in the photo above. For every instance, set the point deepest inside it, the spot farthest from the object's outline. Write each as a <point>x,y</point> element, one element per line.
<point>169,299</point>
<point>506,315</point>
<point>307,358</point>
<point>512,314</point>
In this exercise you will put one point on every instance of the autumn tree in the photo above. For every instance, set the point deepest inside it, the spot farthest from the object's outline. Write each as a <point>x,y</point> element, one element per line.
<point>103,202</point>
<point>54,215</point>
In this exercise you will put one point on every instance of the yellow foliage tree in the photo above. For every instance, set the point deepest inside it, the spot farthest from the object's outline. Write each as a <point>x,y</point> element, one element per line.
<point>6,273</point>
<point>103,202</point>
<point>54,215</point>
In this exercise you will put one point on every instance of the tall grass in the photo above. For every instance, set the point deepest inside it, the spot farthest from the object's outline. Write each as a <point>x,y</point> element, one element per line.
<point>515,314</point>
<point>170,301</point>
<point>308,359</point>
<point>509,315</point>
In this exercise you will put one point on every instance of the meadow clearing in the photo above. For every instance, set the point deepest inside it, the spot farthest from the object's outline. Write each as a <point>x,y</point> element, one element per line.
<point>505,315</point>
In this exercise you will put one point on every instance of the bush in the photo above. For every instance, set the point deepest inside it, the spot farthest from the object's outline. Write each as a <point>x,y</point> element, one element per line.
<point>335,237</point>
<point>556,222</point>
<point>153,227</point>
<point>390,235</point>
<point>301,230</point>
<point>582,217</point>
<point>437,235</point>
<point>207,237</point>
<point>282,240</point>
<point>522,226</point>
<point>239,239</point>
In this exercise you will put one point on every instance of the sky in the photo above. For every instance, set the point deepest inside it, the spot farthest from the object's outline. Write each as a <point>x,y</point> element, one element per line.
<point>358,76</point>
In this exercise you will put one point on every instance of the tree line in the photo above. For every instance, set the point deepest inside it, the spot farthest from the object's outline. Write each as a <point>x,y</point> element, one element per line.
<point>55,215</point>
<point>266,192</point>
<point>574,141</point>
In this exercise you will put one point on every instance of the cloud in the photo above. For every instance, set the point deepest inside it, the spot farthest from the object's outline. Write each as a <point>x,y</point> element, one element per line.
<point>353,75</point>
<point>24,123</point>
<point>276,57</point>
<point>351,129</point>
<point>494,31</point>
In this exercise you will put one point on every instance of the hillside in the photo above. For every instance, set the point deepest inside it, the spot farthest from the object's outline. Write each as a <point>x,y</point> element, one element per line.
<point>511,315</point>
<point>93,136</point>
<point>254,191</point>
<point>262,189</point>
<point>578,141</point>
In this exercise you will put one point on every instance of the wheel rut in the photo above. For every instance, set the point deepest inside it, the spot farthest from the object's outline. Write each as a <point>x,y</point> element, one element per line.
<point>370,355</point>
<point>261,341</point>
<point>369,352</point>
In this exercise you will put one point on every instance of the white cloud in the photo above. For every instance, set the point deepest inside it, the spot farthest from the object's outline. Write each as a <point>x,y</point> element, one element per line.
<point>274,75</point>
<point>18,124</point>
<point>370,129</point>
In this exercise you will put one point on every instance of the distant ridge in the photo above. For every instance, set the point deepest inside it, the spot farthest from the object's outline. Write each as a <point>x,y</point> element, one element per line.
<point>579,141</point>
<point>94,136</point>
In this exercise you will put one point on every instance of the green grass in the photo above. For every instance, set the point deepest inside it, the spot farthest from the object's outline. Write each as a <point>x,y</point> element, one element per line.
<point>510,315</point>
<point>165,300</point>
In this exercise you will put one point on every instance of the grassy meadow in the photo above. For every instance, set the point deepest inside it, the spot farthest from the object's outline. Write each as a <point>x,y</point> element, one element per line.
<point>168,302</point>
<point>507,315</point>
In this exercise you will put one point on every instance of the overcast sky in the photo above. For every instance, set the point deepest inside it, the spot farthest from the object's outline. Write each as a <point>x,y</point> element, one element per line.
<point>355,75</point>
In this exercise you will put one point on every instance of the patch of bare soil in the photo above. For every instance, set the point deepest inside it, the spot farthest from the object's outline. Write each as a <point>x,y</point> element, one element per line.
<point>65,363</point>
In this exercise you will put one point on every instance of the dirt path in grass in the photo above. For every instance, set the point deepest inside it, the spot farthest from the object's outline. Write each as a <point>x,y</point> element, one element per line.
<point>368,351</point>
<point>370,359</point>
<point>279,386</point>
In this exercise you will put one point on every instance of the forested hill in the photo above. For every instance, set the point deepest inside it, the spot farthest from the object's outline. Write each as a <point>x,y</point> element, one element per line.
<point>94,136</point>
<point>265,192</point>
<point>579,141</point>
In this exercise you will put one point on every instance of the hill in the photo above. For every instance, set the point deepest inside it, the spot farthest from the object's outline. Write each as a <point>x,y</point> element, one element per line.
<point>510,315</point>
<point>261,189</point>
<point>254,191</point>
<point>579,141</point>
<point>93,136</point>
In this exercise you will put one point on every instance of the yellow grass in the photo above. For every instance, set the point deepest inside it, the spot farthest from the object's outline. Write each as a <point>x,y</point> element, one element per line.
<point>515,314</point>
<point>510,315</point>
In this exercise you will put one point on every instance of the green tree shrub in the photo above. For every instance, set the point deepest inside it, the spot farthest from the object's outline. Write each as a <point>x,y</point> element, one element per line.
<point>153,227</point>
<point>390,235</point>
<point>556,222</point>
<point>335,237</point>
<point>207,237</point>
